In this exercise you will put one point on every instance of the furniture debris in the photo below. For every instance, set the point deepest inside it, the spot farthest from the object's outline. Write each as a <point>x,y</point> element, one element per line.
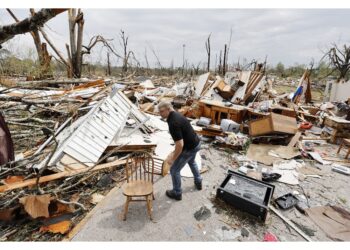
<point>139,171</point>
<point>346,143</point>
<point>340,126</point>
<point>73,140</point>
<point>273,123</point>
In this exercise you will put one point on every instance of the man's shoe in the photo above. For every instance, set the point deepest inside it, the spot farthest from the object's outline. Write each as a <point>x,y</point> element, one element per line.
<point>171,194</point>
<point>198,185</point>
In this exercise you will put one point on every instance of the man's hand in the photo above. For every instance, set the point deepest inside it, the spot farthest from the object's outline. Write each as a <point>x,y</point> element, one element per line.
<point>170,161</point>
<point>173,155</point>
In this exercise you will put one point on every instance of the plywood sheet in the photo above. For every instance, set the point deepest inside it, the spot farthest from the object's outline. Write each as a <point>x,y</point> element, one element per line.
<point>202,80</point>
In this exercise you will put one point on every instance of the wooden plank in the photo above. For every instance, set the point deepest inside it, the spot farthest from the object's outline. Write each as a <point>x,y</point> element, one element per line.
<point>290,223</point>
<point>253,77</point>
<point>244,77</point>
<point>252,87</point>
<point>70,163</point>
<point>53,177</point>
<point>294,140</point>
<point>200,84</point>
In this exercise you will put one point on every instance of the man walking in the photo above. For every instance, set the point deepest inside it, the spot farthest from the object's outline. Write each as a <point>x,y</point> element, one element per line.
<point>187,144</point>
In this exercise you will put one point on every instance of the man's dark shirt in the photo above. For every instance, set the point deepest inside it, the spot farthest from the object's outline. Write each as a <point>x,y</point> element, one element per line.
<point>180,128</point>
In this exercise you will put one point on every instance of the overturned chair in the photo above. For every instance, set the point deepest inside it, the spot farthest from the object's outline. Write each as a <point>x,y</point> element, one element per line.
<point>139,171</point>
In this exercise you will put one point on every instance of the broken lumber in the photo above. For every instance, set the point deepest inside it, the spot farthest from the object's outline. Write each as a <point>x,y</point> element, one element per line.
<point>60,175</point>
<point>294,140</point>
<point>290,223</point>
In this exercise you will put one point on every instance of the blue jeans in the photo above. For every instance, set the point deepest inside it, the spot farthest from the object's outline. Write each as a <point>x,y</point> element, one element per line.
<point>186,156</point>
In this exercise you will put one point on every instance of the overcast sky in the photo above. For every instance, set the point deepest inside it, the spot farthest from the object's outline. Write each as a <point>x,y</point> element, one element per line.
<point>286,35</point>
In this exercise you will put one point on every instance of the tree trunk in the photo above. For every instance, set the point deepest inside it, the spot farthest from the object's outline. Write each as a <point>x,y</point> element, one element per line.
<point>53,47</point>
<point>43,55</point>
<point>108,65</point>
<point>70,68</point>
<point>225,59</point>
<point>220,66</point>
<point>79,61</point>
<point>207,46</point>
<point>76,39</point>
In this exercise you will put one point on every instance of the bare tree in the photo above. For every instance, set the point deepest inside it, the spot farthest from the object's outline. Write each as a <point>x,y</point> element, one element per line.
<point>340,59</point>
<point>220,65</point>
<point>41,48</point>
<point>224,66</point>
<point>196,68</point>
<point>76,26</point>
<point>157,58</point>
<point>61,59</point>
<point>124,43</point>
<point>229,45</point>
<point>207,47</point>
<point>146,59</point>
<point>108,65</point>
<point>183,59</point>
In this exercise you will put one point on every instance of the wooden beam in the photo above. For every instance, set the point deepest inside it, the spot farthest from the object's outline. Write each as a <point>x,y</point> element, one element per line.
<point>294,140</point>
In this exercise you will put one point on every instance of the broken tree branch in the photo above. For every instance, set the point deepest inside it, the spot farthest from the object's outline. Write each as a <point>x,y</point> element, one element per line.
<point>72,203</point>
<point>58,53</point>
<point>33,101</point>
<point>29,24</point>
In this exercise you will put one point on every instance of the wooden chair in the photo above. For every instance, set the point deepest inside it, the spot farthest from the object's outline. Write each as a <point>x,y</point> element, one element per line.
<point>345,142</point>
<point>139,176</point>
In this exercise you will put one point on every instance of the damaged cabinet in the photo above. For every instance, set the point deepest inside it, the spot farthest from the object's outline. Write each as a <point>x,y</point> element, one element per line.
<point>217,111</point>
<point>273,123</point>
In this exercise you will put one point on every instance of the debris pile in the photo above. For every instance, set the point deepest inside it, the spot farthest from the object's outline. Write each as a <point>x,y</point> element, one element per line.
<point>64,144</point>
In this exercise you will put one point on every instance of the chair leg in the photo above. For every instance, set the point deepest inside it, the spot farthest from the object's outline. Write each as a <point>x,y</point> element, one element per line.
<point>341,145</point>
<point>126,208</point>
<point>153,196</point>
<point>149,206</point>
<point>347,155</point>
